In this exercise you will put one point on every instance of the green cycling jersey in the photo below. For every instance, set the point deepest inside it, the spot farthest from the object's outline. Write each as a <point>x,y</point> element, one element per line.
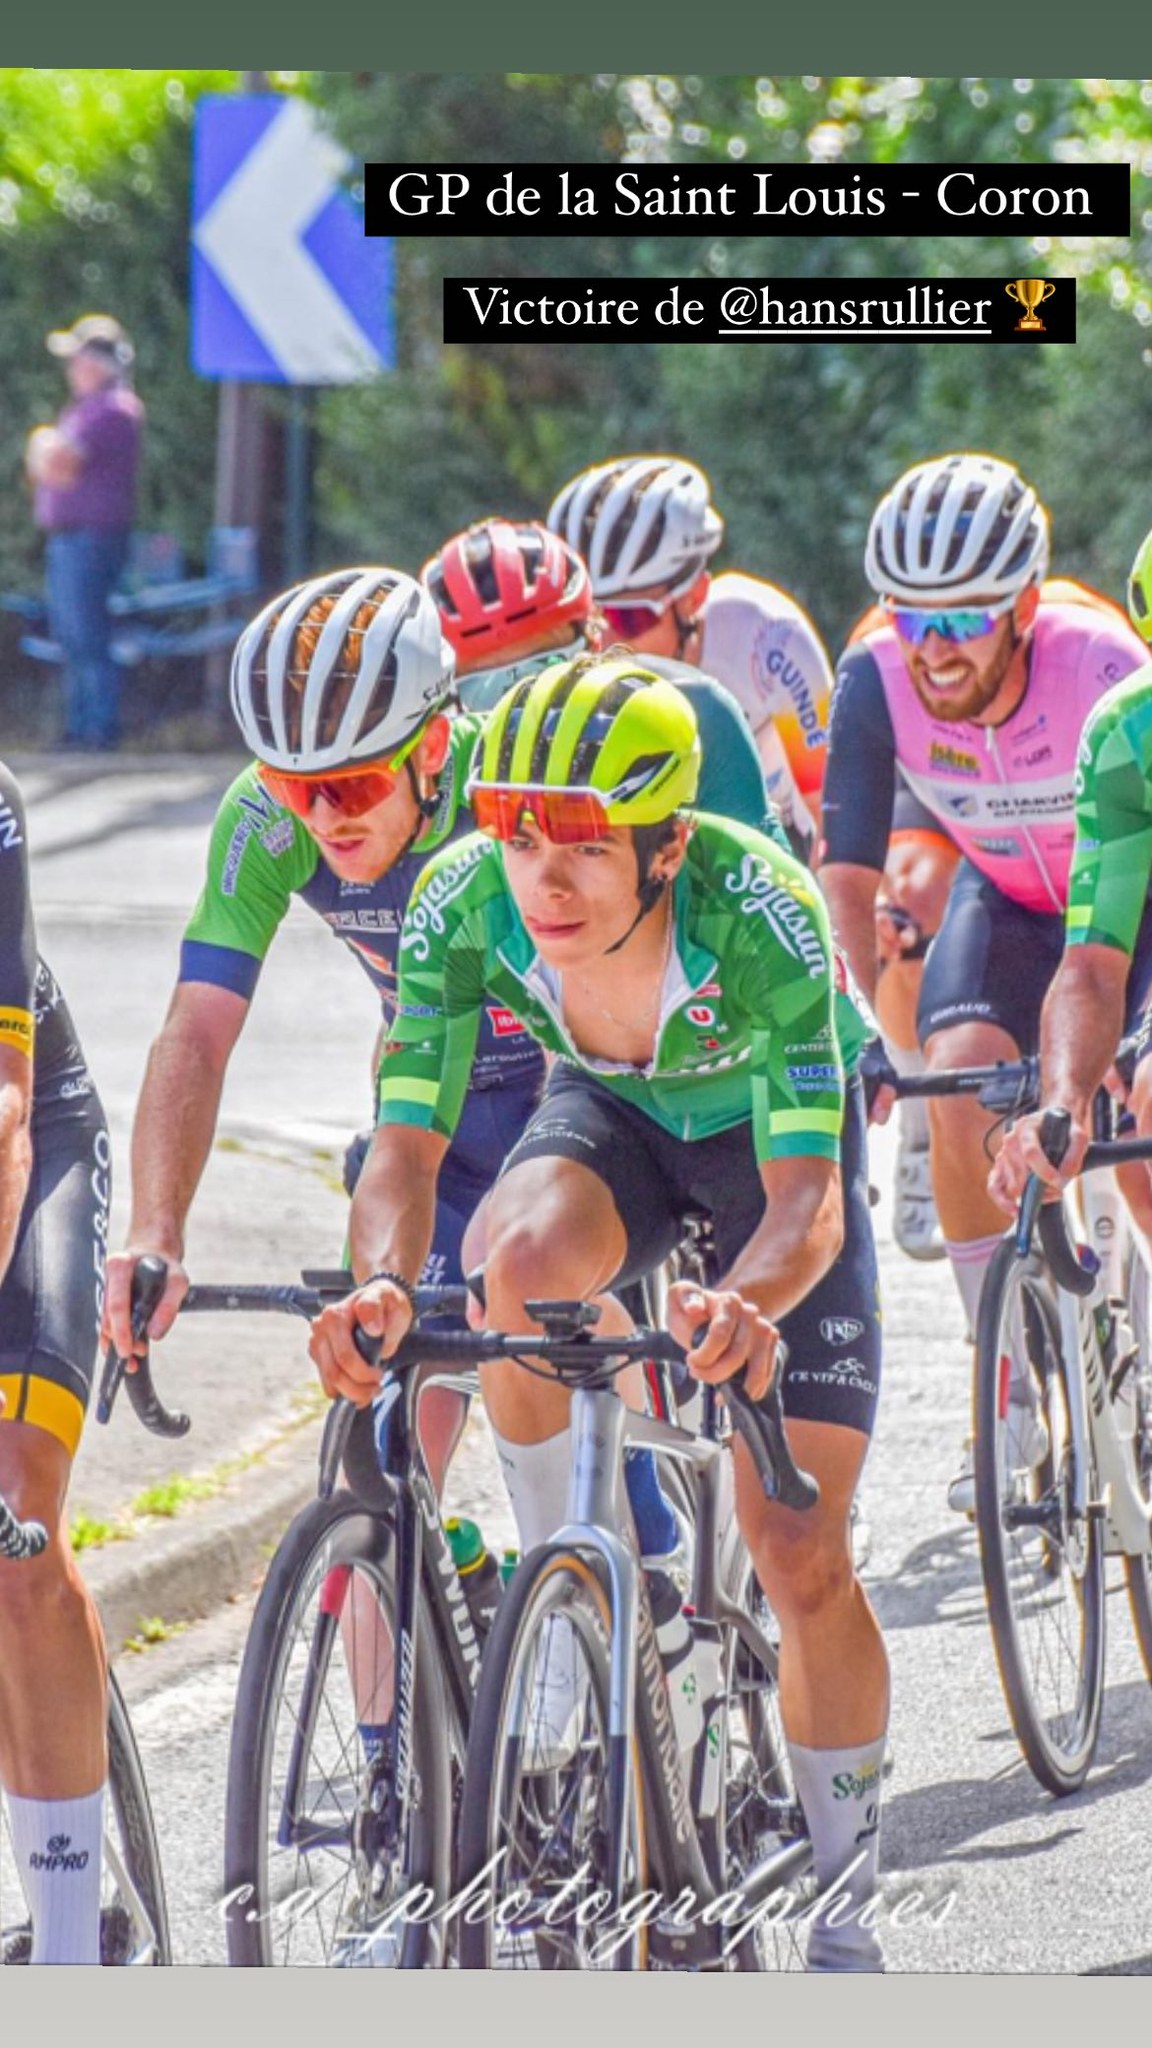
<point>1112,859</point>
<point>755,1018</point>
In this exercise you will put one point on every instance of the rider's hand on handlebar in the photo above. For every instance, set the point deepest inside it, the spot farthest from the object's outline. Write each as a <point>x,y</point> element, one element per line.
<point>381,1310</point>
<point>1021,1154</point>
<point>116,1327</point>
<point>738,1334</point>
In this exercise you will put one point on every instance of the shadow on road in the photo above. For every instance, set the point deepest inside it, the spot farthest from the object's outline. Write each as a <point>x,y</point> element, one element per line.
<point>945,1822</point>
<point>938,1580</point>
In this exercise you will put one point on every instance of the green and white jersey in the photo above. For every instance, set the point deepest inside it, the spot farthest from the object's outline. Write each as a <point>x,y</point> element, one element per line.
<point>755,1018</point>
<point>1112,857</point>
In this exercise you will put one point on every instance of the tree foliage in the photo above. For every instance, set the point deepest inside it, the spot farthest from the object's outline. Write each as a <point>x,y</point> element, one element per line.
<point>799,439</point>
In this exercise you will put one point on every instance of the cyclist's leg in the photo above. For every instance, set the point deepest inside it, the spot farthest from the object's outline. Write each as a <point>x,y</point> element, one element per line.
<point>985,980</point>
<point>52,1664</point>
<point>917,878</point>
<point>580,1199</point>
<point>833,1665</point>
<point>491,1122</point>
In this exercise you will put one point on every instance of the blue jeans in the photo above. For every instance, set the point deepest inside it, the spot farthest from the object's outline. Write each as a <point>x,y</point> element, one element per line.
<point>83,566</point>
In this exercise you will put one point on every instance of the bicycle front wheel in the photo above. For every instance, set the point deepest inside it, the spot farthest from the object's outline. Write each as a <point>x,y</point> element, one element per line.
<point>319,1852</point>
<point>1042,1560</point>
<point>537,1829</point>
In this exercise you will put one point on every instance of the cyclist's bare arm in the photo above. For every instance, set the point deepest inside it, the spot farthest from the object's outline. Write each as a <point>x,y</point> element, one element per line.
<point>850,892</point>
<point>1080,1028</point>
<point>171,1141</point>
<point>390,1230</point>
<point>797,1240</point>
<point>15,1144</point>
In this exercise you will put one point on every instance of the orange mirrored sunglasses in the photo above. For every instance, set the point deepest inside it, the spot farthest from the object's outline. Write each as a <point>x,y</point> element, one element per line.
<point>352,791</point>
<point>565,816</point>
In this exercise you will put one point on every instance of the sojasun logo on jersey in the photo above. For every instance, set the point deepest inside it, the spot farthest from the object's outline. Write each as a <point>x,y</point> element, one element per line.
<point>782,910</point>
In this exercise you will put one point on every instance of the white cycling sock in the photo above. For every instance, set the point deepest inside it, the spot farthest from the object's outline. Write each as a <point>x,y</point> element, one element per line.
<point>970,1262</point>
<point>536,1476</point>
<point>913,1109</point>
<point>58,1846</point>
<point>839,1790</point>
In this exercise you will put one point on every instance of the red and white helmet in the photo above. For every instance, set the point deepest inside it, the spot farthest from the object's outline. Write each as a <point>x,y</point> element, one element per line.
<point>342,668</point>
<point>641,522</point>
<point>956,529</point>
<point>502,582</point>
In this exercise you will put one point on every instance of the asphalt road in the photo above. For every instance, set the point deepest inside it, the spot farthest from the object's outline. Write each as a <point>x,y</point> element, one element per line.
<point>1009,1878</point>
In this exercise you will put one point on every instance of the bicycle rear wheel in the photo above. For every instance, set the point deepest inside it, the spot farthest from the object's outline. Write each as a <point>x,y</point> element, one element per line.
<point>536,1822</point>
<point>1043,1563</point>
<point>316,1855</point>
<point>133,1911</point>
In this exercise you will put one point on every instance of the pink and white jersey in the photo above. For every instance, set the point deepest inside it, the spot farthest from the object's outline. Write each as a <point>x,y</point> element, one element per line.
<point>1005,792</point>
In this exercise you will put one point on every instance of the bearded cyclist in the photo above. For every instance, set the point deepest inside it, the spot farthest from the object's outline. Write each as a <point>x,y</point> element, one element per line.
<point>1102,990</point>
<point>976,689</point>
<point>55,1175</point>
<point>681,971</point>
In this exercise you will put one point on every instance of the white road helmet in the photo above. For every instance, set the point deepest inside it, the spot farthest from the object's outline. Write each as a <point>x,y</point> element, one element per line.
<point>641,522</point>
<point>379,670</point>
<point>956,529</point>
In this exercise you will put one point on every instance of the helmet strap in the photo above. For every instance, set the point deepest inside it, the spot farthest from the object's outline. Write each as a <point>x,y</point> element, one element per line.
<point>685,630</point>
<point>426,807</point>
<point>648,894</point>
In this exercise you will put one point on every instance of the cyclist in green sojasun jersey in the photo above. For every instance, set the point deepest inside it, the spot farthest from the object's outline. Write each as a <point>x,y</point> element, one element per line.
<point>1102,990</point>
<point>686,982</point>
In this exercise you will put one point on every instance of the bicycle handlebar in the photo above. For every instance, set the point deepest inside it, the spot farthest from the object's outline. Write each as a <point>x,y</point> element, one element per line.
<point>760,1424</point>
<point>19,1540</point>
<point>1073,1269</point>
<point>567,1347</point>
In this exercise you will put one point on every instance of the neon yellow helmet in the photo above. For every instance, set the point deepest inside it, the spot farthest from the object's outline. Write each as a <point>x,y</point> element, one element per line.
<point>602,724</point>
<point>1140,589</point>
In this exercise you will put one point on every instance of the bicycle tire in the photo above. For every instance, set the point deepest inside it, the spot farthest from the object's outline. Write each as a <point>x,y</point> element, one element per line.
<point>759,1807</point>
<point>530,1814</point>
<point>1043,1576</point>
<point>1138,1570</point>
<point>301,1822</point>
<point>133,1909</point>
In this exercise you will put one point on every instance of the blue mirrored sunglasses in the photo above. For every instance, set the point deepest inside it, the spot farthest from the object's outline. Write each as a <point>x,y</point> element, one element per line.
<point>961,623</point>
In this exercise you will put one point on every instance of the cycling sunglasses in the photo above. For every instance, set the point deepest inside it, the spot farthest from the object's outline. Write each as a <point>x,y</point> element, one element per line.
<point>628,621</point>
<point>565,816</point>
<point>352,791</point>
<point>959,623</point>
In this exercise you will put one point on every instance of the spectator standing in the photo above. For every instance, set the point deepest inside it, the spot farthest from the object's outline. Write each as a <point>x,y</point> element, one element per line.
<point>83,470</point>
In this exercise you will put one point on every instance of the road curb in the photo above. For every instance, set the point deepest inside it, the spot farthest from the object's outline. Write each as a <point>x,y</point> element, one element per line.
<point>184,1569</point>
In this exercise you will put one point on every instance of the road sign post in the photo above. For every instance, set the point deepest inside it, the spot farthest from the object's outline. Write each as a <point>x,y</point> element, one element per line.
<point>285,290</point>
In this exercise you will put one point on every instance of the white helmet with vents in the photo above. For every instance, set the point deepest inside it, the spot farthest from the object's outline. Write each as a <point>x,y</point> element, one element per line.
<point>958,529</point>
<point>642,522</point>
<point>342,668</point>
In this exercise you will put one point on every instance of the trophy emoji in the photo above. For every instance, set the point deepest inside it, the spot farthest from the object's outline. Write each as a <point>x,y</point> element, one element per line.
<point>1030,292</point>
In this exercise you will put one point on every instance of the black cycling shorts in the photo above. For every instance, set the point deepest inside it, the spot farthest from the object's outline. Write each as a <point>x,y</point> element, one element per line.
<point>655,1180</point>
<point>52,1297</point>
<point>992,961</point>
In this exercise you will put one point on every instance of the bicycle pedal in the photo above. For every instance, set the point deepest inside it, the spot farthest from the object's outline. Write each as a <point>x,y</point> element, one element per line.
<point>115,1936</point>
<point>16,1945</point>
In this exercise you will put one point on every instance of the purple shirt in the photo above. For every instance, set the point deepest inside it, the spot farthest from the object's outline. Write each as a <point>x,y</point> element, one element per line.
<point>105,429</point>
